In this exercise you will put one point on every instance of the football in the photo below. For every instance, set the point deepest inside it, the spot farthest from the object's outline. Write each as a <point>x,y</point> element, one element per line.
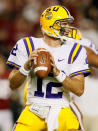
<point>42,64</point>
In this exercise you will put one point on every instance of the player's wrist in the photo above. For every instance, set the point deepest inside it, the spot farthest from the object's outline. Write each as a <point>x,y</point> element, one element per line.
<point>56,71</point>
<point>61,76</point>
<point>24,71</point>
<point>27,65</point>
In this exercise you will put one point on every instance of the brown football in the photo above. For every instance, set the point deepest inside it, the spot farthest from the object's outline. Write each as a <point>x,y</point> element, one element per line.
<point>42,64</point>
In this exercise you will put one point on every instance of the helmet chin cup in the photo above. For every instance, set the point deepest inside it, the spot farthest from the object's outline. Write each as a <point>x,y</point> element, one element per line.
<point>65,38</point>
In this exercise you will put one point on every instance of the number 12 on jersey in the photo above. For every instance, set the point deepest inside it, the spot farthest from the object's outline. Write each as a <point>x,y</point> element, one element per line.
<point>49,87</point>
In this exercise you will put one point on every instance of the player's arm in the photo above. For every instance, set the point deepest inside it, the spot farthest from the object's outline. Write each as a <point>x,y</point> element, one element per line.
<point>16,77</point>
<point>92,57</point>
<point>74,84</point>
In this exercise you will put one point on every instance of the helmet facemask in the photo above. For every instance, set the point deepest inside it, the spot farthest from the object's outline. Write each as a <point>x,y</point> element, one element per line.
<point>62,28</point>
<point>63,31</point>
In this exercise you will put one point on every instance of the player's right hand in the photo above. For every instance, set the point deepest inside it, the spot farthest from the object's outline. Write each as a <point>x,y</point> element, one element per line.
<point>30,60</point>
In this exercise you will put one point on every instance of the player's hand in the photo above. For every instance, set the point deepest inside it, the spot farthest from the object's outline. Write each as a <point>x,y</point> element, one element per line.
<point>29,62</point>
<point>55,70</point>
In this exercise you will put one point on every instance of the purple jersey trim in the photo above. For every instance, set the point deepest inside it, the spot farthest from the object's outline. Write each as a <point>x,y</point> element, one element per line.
<point>13,64</point>
<point>72,50</point>
<point>79,128</point>
<point>86,72</point>
<point>25,42</point>
<point>77,53</point>
<point>78,109</point>
<point>26,45</point>
<point>32,44</point>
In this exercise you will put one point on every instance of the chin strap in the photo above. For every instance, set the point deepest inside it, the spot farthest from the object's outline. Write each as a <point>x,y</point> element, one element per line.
<point>49,33</point>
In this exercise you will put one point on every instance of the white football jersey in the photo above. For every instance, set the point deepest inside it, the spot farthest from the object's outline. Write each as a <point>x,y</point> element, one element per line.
<point>88,43</point>
<point>69,58</point>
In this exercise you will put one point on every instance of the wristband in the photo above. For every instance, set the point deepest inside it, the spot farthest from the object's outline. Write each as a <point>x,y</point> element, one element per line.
<point>61,77</point>
<point>23,71</point>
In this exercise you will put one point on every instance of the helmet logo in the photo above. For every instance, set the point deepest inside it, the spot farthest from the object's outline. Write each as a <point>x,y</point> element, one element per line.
<point>48,15</point>
<point>55,9</point>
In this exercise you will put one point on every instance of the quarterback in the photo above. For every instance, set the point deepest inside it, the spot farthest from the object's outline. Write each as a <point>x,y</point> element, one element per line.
<point>47,105</point>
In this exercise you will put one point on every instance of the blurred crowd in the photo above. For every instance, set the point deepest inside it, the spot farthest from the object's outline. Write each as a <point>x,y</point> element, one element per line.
<point>20,18</point>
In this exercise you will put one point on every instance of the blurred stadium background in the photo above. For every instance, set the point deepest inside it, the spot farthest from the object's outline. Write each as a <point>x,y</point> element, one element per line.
<point>20,18</point>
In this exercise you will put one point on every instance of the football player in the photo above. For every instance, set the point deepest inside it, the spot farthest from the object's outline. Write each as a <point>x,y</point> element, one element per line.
<point>92,57</point>
<point>47,106</point>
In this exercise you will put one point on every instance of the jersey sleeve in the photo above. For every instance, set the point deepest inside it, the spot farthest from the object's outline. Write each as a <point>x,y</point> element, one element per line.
<point>17,56</point>
<point>80,64</point>
<point>93,47</point>
<point>20,52</point>
<point>88,43</point>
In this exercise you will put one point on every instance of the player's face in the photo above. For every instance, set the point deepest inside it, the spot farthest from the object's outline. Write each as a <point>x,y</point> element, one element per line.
<point>65,28</point>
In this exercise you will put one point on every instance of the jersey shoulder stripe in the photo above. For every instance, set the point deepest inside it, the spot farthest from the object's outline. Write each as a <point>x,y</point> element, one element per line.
<point>13,64</point>
<point>74,53</point>
<point>29,45</point>
<point>85,72</point>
